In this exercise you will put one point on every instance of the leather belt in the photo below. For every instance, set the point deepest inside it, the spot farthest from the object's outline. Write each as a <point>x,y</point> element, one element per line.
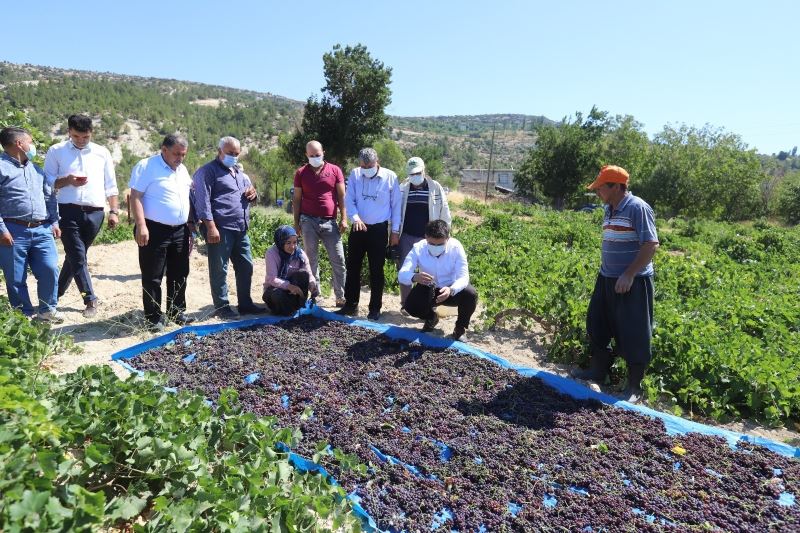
<point>26,223</point>
<point>320,219</point>
<point>84,208</point>
<point>172,226</point>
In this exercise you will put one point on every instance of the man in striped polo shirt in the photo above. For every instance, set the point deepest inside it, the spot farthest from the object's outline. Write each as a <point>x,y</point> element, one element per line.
<point>622,303</point>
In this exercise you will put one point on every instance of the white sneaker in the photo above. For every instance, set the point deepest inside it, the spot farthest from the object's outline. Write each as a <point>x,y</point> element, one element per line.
<point>51,317</point>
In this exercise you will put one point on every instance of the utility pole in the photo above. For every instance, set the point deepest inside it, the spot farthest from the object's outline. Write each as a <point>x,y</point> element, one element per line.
<point>489,170</point>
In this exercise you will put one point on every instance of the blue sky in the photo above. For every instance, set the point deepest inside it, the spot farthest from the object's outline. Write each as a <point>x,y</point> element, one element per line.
<point>729,63</point>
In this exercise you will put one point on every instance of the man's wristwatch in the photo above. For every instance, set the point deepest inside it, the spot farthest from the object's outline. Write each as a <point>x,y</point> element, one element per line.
<point>113,211</point>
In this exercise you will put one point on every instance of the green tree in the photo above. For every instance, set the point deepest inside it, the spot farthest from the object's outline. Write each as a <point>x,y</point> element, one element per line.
<point>564,159</point>
<point>433,155</point>
<point>789,198</point>
<point>704,172</point>
<point>271,173</point>
<point>351,110</point>
<point>625,144</point>
<point>10,116</point>
<point>391,156</point>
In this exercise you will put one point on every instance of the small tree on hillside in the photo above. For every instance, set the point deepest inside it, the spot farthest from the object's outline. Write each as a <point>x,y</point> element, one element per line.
<point>564,159</point>
<point>627,145</point>
<point>391,156</point>
<point>351,111</point>
<point>703,172</point>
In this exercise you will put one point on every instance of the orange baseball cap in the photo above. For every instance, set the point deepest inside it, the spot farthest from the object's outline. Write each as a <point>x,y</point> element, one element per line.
<point>609,174</point>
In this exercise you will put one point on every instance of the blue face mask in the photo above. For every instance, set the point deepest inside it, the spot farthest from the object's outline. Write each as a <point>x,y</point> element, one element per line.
<point>31,153</point>
<point>230,160</point>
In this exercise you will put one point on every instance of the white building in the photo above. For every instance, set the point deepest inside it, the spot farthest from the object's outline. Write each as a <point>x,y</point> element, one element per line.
<point>474,179</point>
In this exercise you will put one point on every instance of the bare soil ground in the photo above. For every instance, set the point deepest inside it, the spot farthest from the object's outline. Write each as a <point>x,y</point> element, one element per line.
<point>120,321</point>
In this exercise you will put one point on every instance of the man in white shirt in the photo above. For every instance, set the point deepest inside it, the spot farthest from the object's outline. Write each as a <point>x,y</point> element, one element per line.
<point>83,174</point>
<point>372,201</point>
<point>438,266</point>
<point>160,188</point>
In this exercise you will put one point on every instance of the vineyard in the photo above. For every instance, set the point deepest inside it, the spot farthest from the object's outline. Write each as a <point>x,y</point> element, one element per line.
<point>727,337</point>
<point>460,443</point>
<point>425,437</point>
<point>85,451</point>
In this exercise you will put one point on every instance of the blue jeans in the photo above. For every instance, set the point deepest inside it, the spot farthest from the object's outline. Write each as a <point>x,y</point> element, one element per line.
<point>233,246</point>
<point>34,247</point>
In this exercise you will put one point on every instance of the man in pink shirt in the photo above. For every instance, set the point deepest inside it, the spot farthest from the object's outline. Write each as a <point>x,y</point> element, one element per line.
<point>318,193</point>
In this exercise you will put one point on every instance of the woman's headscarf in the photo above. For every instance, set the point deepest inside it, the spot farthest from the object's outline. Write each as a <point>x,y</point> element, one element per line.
<point>282,235</point>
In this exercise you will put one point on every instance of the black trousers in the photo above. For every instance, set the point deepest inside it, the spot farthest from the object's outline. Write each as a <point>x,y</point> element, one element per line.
<point>371,243</point>
<point>167,251</point>
<point>284,303</point>
<point>422,298</point>
<point>627,318</point>
<point>78,231</point>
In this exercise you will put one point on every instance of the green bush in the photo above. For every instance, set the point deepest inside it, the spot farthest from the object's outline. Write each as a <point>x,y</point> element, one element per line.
<point>789,204</point>
<point>122,232</point>
<point>727,336</point>
<point>86,451</point>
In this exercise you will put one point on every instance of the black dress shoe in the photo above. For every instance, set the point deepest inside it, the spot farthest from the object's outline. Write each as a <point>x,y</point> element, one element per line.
<point>599,364</point>
<point>374,316</point>
<point>458,333</point>
<point>182,319</point>
<point>251,309</point>
<point>348,310</point>
<point>631,394</point>
<point>156,327</point>
<point>226,313</point>
<point>430,324</point>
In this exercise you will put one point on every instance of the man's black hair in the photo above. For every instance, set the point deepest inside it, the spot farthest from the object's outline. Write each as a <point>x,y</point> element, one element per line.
<point>437,229</point>
<point>10,135</point>
<point>173,139</point>
<point>80,123</point>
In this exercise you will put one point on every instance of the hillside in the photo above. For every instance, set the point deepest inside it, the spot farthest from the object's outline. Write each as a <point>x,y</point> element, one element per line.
<point>131,107</point>
<point>134,112</point>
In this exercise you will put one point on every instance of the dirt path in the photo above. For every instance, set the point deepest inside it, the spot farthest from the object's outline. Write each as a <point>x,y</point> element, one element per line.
<point>119,323</point>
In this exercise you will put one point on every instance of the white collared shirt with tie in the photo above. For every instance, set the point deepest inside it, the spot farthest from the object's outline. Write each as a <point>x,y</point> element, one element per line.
<point>93,161</point>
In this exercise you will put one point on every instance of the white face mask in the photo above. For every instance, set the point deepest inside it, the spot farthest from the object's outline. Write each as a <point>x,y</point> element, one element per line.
<point>369,172</point>
<point>315,161</point>
<point>416,179</point>
<point>436,249</point>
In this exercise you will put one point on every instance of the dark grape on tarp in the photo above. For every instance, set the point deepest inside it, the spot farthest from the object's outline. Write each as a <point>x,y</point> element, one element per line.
<point>457,442</point>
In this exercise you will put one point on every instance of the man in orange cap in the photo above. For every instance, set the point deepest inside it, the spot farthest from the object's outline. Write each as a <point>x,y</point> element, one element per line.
<point>622,303</point>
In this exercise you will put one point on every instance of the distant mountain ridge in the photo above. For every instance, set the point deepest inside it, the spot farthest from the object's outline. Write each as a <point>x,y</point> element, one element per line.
<point>466,124</point>
<point>14,72</point>
<point>133,114</point>
<point>20,82</point>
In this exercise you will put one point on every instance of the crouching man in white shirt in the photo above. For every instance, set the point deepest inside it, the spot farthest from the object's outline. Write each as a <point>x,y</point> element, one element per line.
<point>438,267</point>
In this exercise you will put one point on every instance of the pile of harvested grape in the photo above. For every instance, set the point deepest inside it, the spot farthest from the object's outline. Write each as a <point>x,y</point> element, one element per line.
<point>457,442</point>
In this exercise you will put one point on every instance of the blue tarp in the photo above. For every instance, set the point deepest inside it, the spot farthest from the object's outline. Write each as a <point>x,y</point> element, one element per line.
<point>674,424</point>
